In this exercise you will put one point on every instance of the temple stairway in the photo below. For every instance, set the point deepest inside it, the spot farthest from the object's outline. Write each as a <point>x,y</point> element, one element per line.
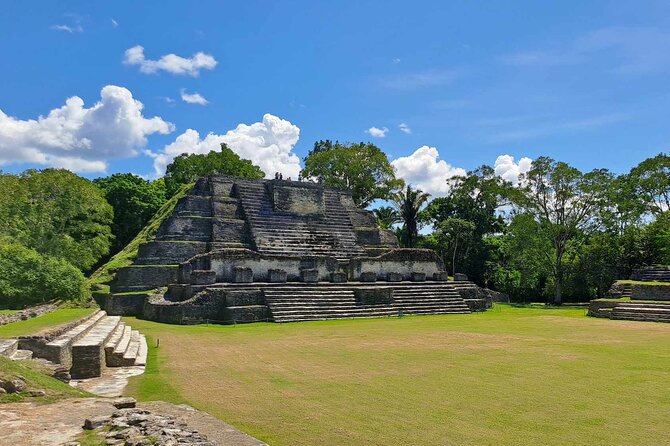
<point>638,311</point>
<point>288,234</point>
<point>652,274</point>
<point>292,303</point>
<point>96,342</point>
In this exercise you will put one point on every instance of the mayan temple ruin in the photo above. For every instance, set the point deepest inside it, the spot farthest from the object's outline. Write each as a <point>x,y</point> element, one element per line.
<point>239,250</point>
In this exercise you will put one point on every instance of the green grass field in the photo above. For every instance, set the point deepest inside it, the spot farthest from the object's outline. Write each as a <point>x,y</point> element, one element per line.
<point>510,376</point>
<point>32,326</point>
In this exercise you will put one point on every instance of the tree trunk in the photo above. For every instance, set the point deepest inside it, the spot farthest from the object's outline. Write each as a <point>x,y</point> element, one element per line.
<point>453,259</point>
<point>558,297</point>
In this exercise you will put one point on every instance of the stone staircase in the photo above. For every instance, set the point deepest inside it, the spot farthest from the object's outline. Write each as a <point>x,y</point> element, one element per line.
<point>638,311</point>
<point>98,341</point>
<point>293,303</point>
<point>290,234</point>
<point>652,274</point>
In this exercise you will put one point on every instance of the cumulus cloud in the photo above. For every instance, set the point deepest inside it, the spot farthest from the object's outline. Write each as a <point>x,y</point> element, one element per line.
<point>68,28</point>
<point>79,138</point>
<point>376,132</point>
<point>194,98</point>
<point>115,24</point>
<point>170,62</point>
<point>509,170</point>
<point>405,128</point>
<point>423,170</point>
<point>268,144</point>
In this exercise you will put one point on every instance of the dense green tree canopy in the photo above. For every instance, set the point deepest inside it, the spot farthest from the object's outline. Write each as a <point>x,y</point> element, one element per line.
<point>58,214</point>
<point>186,168</point>
<point>565,203</point>
<point>362,168</point>
<point>386,217</point>
<point>28,278</point>
<point>651,182</point>
<point>135,200</point>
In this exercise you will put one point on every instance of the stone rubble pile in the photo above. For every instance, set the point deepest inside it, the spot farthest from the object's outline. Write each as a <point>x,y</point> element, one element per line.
<point>18,385</point>
<point>131,426</point>
<point>28,313</point>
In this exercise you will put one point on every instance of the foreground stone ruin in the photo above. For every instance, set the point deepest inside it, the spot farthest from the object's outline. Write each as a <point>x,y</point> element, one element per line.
<point>239,250</point>
<point>83,349</point>
<point>645,297</point>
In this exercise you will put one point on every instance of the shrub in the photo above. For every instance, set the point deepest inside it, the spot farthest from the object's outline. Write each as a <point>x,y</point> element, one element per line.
<point>28,278</point>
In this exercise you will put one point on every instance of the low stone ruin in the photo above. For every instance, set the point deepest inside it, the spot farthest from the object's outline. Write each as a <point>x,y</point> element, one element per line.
<point>26,314</point>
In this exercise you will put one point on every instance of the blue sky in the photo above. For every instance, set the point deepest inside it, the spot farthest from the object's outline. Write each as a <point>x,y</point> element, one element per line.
<point>582,81</point>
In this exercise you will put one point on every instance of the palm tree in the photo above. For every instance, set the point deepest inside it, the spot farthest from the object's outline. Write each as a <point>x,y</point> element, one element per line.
<point>408,204</point>
<point>386,217</point>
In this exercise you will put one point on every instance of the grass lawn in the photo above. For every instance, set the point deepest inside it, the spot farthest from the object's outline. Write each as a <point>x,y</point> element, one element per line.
<point>9,311</point>
<point>38,323</point>
<point>510,376</point>
<point>36,378</point>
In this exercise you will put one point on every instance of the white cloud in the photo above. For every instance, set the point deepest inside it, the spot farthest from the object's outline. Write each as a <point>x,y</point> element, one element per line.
<point>423,170</point>
<point>376,132</point>
<point>67,28</point>
<point>194,98</point>
<point>79,138</point>
<point>396,60</point>
<point>268,144</point>
<point>115,24</point>
<point>170,62</point>
<point>405,128</point>
<point>506,168</point>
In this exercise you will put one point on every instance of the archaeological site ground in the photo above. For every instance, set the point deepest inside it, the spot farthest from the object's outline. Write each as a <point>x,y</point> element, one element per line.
<point>283,310</point>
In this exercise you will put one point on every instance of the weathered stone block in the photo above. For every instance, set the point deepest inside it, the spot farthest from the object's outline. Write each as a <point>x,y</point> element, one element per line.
<point>229,230</point>
<point>125,304</point>
<point>297,198</point>
<point>243,274</point>
<point>650,292</point>
<point>200,277</point>
<point>374,296</point>
<point>338,277</point>
<point>394,277</point>
<point>243,314</point>
<point>237,298</point>
<point>460,277</point>
<point>418,277</point>
<point>277,275</point>
<point>441,276</point>
<point>368,276</point>
<point>602,308</point>
<point>309,275</point>
<point>367,236</point>
<point>476,304</point>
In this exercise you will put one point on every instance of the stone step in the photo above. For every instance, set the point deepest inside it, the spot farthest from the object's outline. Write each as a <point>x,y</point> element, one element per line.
<point>8,347</point>
<point>20,355</point>
<point>88,353</point>
<point>640,317</point>
<point>59,350</point>
<point>114,340</point>
<point>319,317</point>
<point>124,340</point>
<point>142,351</point>
<point>644,306</point>
<point>131,353</point>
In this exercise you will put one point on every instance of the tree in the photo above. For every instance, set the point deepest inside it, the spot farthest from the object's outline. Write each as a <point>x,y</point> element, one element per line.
<point>408,204</point>
<point>475,197</point>
<point>186,168</point>
<point>386,217</point>
<point>362,168</point>
<point>135,200</point>
<point>456,233</point>
<point>28,278</point>
<point>651,182</point>
<point>58,214</point>
<point>564,202</point>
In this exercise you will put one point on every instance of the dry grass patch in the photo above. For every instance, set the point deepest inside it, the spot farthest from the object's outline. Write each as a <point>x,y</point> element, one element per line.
<point>511,376</point>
